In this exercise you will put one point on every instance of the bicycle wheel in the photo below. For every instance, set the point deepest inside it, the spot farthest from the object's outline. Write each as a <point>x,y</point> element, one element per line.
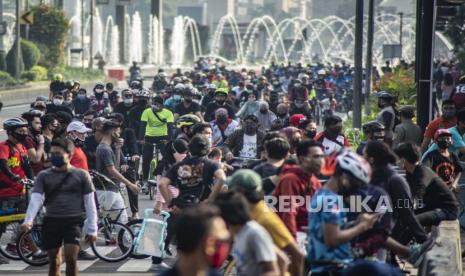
<point>8,235</point>
<point>26,245</point>
<point>115,242</point>
<point>135,226</point>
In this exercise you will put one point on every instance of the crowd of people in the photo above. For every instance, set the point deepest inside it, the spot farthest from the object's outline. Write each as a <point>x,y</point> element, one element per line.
<point>242,168</point>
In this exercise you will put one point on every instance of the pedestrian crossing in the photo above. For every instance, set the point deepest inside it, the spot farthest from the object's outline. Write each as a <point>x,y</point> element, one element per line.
<point>129,265</point>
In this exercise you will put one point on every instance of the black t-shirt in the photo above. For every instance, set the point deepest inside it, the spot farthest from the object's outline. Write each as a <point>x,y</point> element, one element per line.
<point>52,108</point>
<point>193,176</point>
<point>445,167</point>
<point>265,169</point>
<point>90,148</point>
<point>181,109</point>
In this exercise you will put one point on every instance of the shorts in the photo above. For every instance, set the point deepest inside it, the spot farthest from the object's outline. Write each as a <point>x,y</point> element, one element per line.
<point>56,231</point>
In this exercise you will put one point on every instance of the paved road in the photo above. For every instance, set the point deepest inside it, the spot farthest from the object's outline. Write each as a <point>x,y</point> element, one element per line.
<point>97,267</point>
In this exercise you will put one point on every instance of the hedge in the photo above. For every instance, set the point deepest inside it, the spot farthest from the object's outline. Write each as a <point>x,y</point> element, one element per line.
<point>42,72</point>
<point>31,54</point>
<point>6,80</point>
<point>11,62</point>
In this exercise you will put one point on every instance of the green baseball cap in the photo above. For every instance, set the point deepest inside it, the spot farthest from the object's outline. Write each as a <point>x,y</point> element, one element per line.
<point>245,179</point>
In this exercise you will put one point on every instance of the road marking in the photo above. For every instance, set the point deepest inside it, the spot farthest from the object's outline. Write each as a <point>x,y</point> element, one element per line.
<point>135,266</point>
<point>16,106</point>
<point>14,266</point>
<point>82,265</point>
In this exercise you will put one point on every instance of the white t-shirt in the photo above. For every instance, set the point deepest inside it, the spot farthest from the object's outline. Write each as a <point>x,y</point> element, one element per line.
<point>249,149</point>
<point>252,246</point>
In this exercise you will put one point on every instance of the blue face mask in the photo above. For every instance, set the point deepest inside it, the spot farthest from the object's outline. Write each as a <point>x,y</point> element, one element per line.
<point>177,97</point>
<point>57,160</point>
<point>81,96</point>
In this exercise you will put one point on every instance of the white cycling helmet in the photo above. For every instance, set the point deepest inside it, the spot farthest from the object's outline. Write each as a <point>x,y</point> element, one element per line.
<point>179,86</point>
<point>354,165</point>
<point>144,92</point>
<point>321,72</point>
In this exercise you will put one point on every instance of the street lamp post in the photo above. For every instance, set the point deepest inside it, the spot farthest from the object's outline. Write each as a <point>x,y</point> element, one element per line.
<point>91,47</point>
<point>369,58</point>
<point>401,23</point>
<point>357,112</point>
<point>18,40</point>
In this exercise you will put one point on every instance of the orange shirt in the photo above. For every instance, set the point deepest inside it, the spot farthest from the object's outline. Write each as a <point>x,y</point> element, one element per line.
<point>79,159</point>
<point>438,123</point>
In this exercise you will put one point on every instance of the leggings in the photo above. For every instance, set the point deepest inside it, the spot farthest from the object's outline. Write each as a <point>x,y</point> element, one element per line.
<point>147,153</point>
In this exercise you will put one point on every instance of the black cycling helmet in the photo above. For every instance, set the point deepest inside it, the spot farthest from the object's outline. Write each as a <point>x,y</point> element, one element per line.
<point>385,96</point>
<point>373,126</point>
<point>187,120</point>
<point>14,123</point>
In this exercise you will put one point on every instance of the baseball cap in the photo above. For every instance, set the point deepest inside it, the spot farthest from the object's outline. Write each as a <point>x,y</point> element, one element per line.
<point>245,179</point>
<point>77,126</point>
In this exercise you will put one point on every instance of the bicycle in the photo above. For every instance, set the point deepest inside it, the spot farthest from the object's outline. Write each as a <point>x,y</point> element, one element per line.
<point>113,233</point>
<point>10,222</point>
<point>152,182</point>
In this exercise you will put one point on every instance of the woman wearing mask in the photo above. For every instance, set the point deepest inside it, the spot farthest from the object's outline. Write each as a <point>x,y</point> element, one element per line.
<point>381,159</point>
<point>309,129</point>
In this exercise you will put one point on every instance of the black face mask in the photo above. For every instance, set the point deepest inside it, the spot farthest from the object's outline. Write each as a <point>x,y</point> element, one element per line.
<point>310,133</point>
<point>263,111</point>
<point>78,143</point>
<point>18,136</point>
<point>250,129</point>
<point>281,115</point>
<point>443,144</point>
<point>345,191</point>
<point>295,142</point>
<point>221,120</point>
<point>331,133</point>
<point>142,103</point>
<point>221,102</point>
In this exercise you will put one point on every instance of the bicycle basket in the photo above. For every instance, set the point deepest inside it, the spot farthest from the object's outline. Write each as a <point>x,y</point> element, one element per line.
<point>151,237</point>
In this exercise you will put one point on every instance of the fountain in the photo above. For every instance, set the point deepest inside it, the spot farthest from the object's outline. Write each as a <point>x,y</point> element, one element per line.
<point>329,39</point>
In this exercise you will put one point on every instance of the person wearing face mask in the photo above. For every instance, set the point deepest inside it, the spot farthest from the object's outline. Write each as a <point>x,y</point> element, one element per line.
<point>100,99</point>
<point>108,164</point>
<point>187,106</point>
<point>252,106</point>
<point>244,142</point>
<point>444,163</point>
<point>282,117</point>
<point>58,104</point>
<point>293,136</point>
<point>222,127</point>
<point>176,97</point>
<point>35,142</point>
<point>49,124</point>
<point>156,127</point>
<point>373,131</point>
<point>407,130</point>
<point>332,138</point>
<point>221,95</point>
<point>77,133</point>
<point>309,129</point>
<point>300,107</point>
<point>135,113</point>
<point>81,104</point>
<point>265,116</point>
<point>14,163</point>
<point>447,119</point>
<point>382,159</point>
<point>300,180</point>
<point>64,119</point>
<point>387,115</point>
<point>438,203</point>
<point>125,105</point>
<point>204,250</point>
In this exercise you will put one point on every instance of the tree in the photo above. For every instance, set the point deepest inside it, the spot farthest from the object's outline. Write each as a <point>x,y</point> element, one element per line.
<point>13,68</point>
<point>49,32</point>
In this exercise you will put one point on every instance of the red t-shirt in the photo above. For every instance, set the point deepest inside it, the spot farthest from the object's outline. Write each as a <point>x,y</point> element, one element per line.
<point>438,123</point>
<point>30,143</point>
<point>8,187</point>
<point>79,159</point>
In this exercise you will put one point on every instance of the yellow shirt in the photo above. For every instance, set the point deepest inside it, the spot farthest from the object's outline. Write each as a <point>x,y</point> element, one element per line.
<point>155,127</point>
<point>272,223</point>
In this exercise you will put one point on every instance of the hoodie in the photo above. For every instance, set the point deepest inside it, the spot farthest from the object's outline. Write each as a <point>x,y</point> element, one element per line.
<point>294,182</point>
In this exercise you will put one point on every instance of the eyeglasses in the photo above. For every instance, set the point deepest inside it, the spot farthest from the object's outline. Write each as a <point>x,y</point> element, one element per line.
<point>127,96</point>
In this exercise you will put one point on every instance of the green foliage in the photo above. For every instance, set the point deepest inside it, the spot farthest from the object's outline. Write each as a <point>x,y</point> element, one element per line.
<point>31,54</point>
<point>2,62</point>
<point>29,75</point>
<point>12,68</point>
<point>42,72</point>
<point>7,81</point>
<point>73,73</point>
<point>401,83</point>
<point>49,32</point>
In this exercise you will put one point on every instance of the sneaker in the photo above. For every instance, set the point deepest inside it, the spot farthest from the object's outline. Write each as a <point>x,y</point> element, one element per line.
<point>135,216</point>
<point>84,256</point>
<point>418,251</point>
<point>39,255</point>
